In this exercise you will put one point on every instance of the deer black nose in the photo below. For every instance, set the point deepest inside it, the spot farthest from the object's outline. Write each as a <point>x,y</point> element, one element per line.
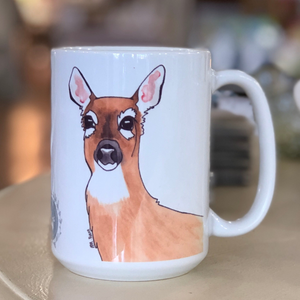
<point>108,153</point>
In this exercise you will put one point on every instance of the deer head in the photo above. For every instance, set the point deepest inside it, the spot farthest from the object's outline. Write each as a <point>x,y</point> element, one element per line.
<point>113,125</point>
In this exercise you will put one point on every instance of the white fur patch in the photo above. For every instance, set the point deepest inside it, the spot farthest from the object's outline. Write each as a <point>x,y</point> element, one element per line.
<point>127,134</point>
<point>108,186</point>
<point>89,132</point>
<point>128,112</point>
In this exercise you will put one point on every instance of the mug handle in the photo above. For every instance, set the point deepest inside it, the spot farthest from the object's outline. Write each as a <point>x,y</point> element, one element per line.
<point>267,175</point>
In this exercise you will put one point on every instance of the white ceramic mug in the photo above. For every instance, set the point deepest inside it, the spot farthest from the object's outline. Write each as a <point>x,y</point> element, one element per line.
<point>130,160</point>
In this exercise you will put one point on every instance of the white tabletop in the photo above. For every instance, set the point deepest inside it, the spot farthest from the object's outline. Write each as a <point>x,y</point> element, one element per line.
<point>264,264</point>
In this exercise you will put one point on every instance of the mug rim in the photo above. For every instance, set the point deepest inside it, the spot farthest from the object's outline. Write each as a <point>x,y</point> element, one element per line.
<point>130,49</point>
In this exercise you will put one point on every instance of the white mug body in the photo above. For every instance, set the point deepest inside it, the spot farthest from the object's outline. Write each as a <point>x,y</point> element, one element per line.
<point>164,160</point>
<point>130,160</point>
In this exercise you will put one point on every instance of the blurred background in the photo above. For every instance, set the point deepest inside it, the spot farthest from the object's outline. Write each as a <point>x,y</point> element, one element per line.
<point>260,37</point>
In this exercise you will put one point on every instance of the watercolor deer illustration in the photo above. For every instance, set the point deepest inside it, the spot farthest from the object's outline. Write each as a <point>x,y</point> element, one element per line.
<point>127,223</point>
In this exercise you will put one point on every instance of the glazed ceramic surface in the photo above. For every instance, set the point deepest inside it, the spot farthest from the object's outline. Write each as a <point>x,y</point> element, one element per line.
<point>130,160</point>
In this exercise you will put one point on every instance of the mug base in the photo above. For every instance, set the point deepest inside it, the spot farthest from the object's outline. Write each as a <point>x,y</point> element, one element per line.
<point>135,271</point>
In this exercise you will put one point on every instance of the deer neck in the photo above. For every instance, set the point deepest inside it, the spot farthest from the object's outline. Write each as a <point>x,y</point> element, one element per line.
<point>134,181</point>
<point>108,187</point>
<point>123,183</point>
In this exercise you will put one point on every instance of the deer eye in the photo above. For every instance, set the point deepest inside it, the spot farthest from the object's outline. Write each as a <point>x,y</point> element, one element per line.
<point>127,123</point>
<point>88,122</point>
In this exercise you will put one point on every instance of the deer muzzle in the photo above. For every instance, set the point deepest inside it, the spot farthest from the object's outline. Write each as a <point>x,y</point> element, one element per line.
<point>108,154</point>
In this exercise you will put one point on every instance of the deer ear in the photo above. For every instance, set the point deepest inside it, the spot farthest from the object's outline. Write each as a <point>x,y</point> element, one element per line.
<point>149,92</point>
<point>79,89</point>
